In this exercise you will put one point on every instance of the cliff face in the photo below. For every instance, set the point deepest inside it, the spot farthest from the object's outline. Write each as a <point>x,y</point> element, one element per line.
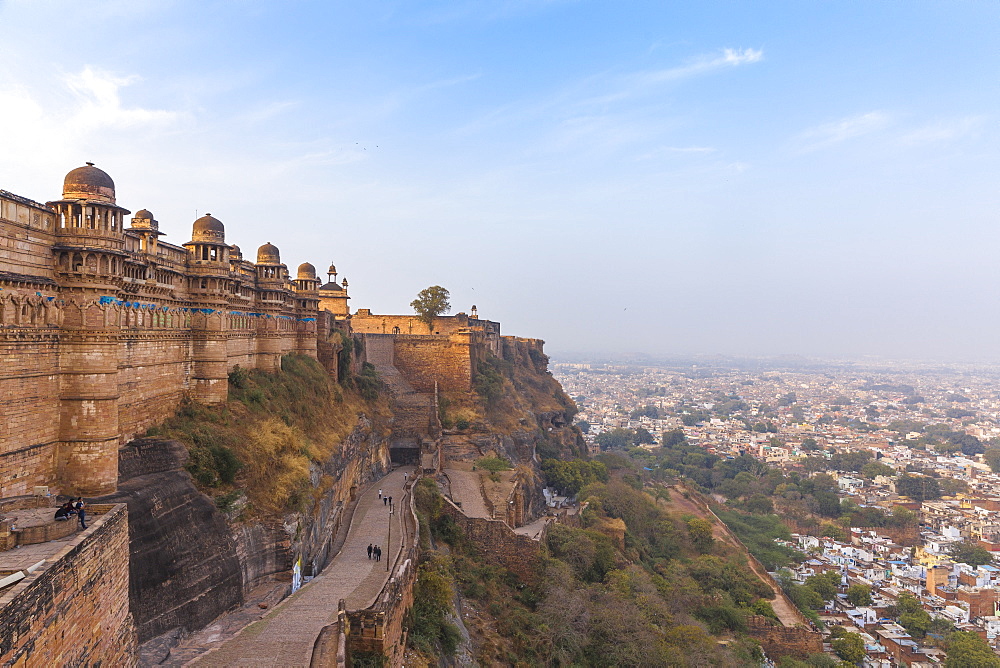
<point>194,556</point>
<point>184,569</point>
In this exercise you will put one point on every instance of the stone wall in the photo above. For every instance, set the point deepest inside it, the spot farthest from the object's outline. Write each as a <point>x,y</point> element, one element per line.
<point>448,360</point>
<point>778,641</point>
<point>75,611</point>
<point>498,542</point>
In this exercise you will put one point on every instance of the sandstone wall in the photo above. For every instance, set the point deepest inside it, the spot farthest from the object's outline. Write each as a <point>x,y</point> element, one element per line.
<point>29,429</point>
<point>75,612</point>
<point>448,360</point>
<point>498,542</point>
<point>778,641</point>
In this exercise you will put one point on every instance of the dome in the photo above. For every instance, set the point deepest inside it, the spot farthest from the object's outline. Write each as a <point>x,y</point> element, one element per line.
<point>143,220</point>
<point>235,250</point>
<point>332,270</point>
<point>89,182</point>
<point>208,229</point>
<point>268,254</point>
<point>306,270</point>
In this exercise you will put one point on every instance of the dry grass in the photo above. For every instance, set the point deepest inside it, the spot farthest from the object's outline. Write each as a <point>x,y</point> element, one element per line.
<point>267,437</point>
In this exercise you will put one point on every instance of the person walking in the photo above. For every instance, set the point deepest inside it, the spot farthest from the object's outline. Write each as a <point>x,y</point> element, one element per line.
<point>390,503</point>
<point>380,492</point>
<point>370,550</point>
<point>378,553</point>
<point>385,500</point>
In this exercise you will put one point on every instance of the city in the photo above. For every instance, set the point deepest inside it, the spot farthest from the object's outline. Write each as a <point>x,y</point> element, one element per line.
<point>910,455</point>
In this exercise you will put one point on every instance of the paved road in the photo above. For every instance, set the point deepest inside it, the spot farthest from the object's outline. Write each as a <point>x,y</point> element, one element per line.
<point>285,636</point>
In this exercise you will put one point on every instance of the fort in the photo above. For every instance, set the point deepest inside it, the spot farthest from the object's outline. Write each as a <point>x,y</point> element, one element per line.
<point>107,330</point>
<point>105,327</point>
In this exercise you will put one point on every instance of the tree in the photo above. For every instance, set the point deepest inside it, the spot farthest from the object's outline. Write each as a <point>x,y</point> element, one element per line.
<point>918,488</point>
<point>850,647</point>
<point>912,615</point>
<point>970,552</point>
<point>967,650</point>
<point>430,303</point>
<point>859,594</point>
<point>700,532</point>
<point>992,457</point>
<point>873,469</point>
<point>676,437</point>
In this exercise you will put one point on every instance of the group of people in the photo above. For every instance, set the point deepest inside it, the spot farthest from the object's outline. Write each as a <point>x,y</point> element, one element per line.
<point>70,508</point>
<point>374,552</point>
<point>386,500</point>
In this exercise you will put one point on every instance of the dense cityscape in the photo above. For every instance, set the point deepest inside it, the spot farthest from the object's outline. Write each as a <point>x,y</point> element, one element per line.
<point>886,479</point>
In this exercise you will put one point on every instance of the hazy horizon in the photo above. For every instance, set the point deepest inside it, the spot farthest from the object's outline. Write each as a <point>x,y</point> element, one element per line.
<point>743,179</point>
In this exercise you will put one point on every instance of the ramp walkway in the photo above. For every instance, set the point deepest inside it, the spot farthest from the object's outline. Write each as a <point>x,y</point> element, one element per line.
<point>285,635</point>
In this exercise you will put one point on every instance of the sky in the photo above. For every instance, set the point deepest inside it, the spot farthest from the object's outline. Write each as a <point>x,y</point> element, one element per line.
<point>744,178</point>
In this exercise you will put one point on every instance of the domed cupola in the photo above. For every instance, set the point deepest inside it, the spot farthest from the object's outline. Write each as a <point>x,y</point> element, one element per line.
<point>268,254</point>
<point>208,229</point>
<point>306,270</point>
<point>306,282</point>
<point>89,183</point>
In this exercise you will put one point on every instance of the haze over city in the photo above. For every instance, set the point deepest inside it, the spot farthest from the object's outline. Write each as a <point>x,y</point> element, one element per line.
<point>807,178</point>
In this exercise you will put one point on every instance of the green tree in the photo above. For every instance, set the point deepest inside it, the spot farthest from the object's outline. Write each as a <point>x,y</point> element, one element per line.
<point>700,532</point>
<point>430,303</point>
<point>675,437</point>
<point>967,650</point>
<point>912,615</point>
<point>918,487</point>
<point>850,647</point>
<point>970,552</point>
<point>992,457</point>
<point>873,469</point>
<point>859,594</point>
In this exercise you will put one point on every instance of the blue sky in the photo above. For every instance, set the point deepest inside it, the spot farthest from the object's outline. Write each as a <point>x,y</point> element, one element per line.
<point>747,178</point>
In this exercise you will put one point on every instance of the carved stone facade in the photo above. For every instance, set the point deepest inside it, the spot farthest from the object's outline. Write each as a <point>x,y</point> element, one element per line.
<point>104,328</point>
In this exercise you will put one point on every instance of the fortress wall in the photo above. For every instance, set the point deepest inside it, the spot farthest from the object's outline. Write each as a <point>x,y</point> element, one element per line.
<point>240,349</point>
<point>498,542</point>
<point>154,372</point>
<point>29,428</point>
<point>426,359</point>
<point>75,612</point>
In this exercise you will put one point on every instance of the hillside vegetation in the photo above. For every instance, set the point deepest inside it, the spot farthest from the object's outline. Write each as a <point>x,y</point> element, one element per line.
<point>262,442</point>
<point>632,585</point>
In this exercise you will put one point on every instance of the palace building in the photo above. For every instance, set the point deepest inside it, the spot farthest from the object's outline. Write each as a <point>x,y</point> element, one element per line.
<point>105,327</point>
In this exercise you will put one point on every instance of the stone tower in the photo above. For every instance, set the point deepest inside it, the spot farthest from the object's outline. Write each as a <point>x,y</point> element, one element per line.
<point>272,290</point>
<point>306,287</point>
<point>89,252</point>
<point>208,286</point>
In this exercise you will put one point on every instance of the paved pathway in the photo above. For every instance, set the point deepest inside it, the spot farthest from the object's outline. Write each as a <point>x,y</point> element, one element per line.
<point>467,491</point>
<point>285,635</point>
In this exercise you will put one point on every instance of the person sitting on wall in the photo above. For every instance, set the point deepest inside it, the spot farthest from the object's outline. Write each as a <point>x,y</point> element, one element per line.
<point>64,511</point>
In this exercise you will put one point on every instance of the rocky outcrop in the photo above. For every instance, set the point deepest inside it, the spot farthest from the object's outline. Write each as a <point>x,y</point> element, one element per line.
<point>190,562</point>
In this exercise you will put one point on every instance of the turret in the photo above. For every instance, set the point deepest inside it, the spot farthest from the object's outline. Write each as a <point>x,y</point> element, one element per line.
<point>333,296</point>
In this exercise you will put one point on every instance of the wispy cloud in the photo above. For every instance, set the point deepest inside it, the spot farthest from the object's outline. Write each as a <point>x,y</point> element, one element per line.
<point>702,65</point>
<point>98,101</point>
<point>943,131</point>
<point>836,132</point>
